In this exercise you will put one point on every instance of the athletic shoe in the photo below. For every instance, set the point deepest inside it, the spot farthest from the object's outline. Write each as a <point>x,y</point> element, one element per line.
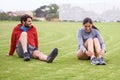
<point>26,56</point>
<point>52,56</point>
<point>101,61</point>
<point>94,61</point>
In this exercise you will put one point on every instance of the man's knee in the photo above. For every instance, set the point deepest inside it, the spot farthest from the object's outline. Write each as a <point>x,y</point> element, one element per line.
<point>24,34</point>
<point>36,53</point>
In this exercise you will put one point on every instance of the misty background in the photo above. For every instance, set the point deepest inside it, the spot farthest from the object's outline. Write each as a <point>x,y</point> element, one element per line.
<point>68,10</point>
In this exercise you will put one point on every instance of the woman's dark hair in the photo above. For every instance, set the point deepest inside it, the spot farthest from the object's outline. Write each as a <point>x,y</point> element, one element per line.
<point>24,17</point>
<point>95,27</point>
<point>89,20</point>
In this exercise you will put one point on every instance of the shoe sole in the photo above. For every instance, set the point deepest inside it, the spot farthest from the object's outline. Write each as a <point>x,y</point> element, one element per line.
<point>102,64</point>
<point>27,59</point>
<point>52,56</point>
<point>95,64</point>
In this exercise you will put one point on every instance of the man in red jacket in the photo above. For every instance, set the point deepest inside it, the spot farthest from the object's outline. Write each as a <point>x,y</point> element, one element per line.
<point>25,40</point>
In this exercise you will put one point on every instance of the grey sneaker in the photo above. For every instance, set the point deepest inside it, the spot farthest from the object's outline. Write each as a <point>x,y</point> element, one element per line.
<point>52,56</point>
<point>101,61</point>
<point>26,56</point>
<point>94,61</point>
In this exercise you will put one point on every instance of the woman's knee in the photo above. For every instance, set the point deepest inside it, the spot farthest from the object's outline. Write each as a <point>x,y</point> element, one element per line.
<point>95,40</point>
<point>90,40</point>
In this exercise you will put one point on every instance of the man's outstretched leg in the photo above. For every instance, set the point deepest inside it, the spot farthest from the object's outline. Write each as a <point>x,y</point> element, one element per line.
<point>43,57</point>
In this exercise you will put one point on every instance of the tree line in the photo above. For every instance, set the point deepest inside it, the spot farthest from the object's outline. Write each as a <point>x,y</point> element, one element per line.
<point>46,11</point>
<point>5,16</point>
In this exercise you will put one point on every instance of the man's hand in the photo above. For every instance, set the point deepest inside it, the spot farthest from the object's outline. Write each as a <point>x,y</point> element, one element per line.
<point>8,54</point>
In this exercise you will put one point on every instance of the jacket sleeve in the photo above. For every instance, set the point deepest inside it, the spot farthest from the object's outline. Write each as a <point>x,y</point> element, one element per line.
<point>80,42</point>
<point>101,41</point>
<point>13,43</point>
<point>36,38</point>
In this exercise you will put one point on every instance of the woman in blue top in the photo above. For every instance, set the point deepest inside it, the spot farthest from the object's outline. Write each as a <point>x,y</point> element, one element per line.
<point>91,44</point>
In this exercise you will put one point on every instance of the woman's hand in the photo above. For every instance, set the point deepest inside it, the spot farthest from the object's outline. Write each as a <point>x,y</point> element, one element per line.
<point>89,53</point>
<point>101,52</point>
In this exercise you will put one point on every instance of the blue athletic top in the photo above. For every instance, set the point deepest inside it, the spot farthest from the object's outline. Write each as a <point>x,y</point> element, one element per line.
<point>24,28</point>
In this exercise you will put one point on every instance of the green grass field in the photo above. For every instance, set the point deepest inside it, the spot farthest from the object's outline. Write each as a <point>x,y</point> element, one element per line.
<point>66,66</point>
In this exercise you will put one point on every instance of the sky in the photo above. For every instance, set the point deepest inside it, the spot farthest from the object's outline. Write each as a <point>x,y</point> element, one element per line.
<point>97,6</point>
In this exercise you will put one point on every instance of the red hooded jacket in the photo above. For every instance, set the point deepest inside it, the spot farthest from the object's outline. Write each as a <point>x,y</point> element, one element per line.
<point>32,38</point>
